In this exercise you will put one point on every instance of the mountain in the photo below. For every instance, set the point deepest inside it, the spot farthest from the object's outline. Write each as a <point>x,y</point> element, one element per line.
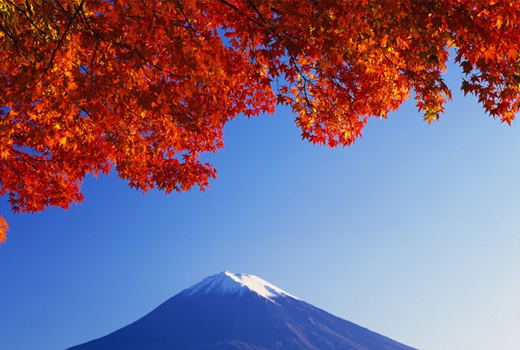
<point>240,312</point>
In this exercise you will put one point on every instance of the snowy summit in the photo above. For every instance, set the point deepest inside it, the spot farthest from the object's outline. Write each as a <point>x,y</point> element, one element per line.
<point>239,311</point>
<point>231,283</point>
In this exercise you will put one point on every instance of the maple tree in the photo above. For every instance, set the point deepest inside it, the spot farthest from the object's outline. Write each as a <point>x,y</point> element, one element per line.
<point>146,87</point>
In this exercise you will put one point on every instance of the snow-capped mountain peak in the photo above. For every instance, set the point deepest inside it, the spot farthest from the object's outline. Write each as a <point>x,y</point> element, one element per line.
<point>231,283</point>
<point>239,311</point>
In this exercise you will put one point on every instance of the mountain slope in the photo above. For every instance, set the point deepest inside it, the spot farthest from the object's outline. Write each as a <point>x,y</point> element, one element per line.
<point>238,311</point>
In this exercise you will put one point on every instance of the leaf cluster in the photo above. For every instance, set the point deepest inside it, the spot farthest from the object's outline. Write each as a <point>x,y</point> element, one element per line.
<point>146,87</point>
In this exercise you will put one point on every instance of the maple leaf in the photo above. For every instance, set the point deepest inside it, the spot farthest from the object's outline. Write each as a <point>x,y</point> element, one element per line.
<point>3,230</point>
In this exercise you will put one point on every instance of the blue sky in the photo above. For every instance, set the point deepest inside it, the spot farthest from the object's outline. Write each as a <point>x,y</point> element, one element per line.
<point>413,232</point>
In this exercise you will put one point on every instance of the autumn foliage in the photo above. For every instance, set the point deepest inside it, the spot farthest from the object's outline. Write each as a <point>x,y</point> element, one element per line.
<point>146,87</point>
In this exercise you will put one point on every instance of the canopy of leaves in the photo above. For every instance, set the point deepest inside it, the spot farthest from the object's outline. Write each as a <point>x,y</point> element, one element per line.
<point>145,87</point>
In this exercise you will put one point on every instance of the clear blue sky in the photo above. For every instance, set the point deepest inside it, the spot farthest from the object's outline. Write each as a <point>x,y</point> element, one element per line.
<point>413,232</point>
